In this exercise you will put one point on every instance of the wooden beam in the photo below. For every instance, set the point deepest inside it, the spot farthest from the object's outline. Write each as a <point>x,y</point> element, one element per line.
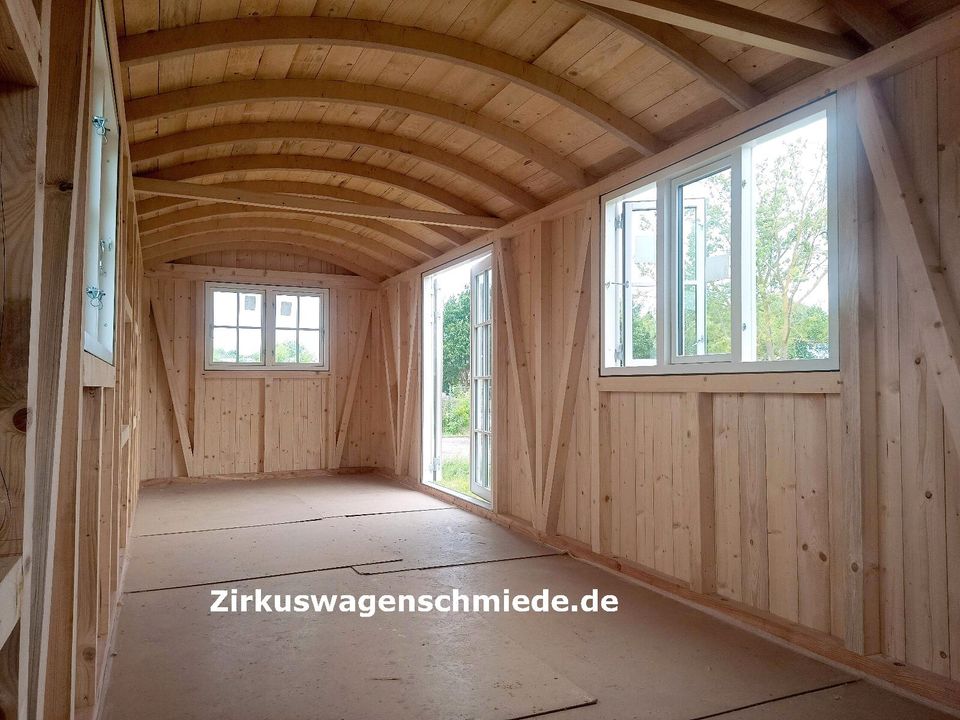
<point>870,20</point>
<point>20,43</point>
<point>259,31</point>
<point>241,92</point>
<point>568,383</point>
<point>826,382</point>
<point>178,403</point>
<point>392,237</point>
<point>519,367</point>
<point>390,375</point>
<point>740,25</point>
<point>350,398</point>
<point>410,399</point>
<point>173,188</point>
<point>699,482</point>
<point>293,278</point>
<point>218,135</point>
<point>916,248</point>
<point>338,241</point>
<point>281,242</point>
<point>444,238</point>
<point>680,49</point>
<point>312,164</point>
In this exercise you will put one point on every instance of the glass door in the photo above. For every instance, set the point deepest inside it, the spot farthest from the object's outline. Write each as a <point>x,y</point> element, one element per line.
<point>481,377</point>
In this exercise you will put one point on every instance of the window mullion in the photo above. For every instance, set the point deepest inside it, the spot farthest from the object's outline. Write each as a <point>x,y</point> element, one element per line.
<point>737,229</point>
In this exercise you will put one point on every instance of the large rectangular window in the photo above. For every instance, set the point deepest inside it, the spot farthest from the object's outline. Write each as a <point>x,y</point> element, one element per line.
<point>727,262</point>
<point>263,326</point>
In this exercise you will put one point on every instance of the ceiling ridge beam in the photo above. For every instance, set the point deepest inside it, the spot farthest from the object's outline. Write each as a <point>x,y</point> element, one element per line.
<point>255,31</point>
<point>158,203</point>
<point>239,92</point>
<point>218,135</point>
<point>308,163</point>
<point>313,206</point>
<point>747,26</point>
<point>220,240</point>
<point>403,242</point>
<point>678,48</point>
<point>870,20</point>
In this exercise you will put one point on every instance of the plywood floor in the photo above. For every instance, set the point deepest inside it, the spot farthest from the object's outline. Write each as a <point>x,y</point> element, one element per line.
<point>654,659</point>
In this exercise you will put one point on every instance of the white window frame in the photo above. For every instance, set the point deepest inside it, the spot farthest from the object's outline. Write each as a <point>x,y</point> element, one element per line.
<point>732,153</point>
<point>268,328</point>
<point>101,219</point>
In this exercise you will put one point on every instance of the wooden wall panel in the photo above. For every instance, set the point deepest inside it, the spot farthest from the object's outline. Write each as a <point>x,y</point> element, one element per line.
<point>248,423</point>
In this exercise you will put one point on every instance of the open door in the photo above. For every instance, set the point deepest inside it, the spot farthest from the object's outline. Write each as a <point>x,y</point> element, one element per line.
<point>481,377</point>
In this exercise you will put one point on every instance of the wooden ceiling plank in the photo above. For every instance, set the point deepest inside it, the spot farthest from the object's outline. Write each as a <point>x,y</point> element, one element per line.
<point>174,188</point>
<point>870,20</point>
<point>311,164</point>
<point>271,242</point>
<point>20,43</point>
<point>375,255</point>
<point>746,26</point>
<point>300,131</point>
<point>403,242</point>
<point>260,31</point>
<point>678,48</point>
<point>446,237</point>
<point>218,95</point>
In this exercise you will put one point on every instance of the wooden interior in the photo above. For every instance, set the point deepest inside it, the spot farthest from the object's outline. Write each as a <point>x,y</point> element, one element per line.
<point>354,145</point>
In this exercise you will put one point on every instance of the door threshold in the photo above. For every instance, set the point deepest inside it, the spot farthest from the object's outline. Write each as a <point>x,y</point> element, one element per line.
<point>462,496</point>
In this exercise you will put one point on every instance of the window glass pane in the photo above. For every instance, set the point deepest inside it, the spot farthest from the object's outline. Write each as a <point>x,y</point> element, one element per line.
<point>705,251</point>
<point>310,312</point>
<point>286,311</point>
<point>224,308</point>
<point>251,309</point>
<point>224,345</point>
<point>251,346</point>
<point>640,233</point>
<point>286,344</point>
<point>309,350</point>
<point>788,213</point>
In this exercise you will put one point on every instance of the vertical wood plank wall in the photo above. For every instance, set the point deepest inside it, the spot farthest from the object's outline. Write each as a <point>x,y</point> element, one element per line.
<point>780,467</point>
<point>238,423</point>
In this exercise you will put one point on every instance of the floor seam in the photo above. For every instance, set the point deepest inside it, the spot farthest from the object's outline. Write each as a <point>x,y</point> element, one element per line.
<point>292,522</point>
<point>451,565</point>
<point>263,577</point>
<point>776,700</point>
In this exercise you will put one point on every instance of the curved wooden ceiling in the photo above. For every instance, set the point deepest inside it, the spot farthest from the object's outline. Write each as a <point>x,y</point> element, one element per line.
<point>483,108</point>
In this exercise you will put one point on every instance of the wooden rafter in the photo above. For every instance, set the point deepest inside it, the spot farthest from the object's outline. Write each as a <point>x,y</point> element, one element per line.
<point>519,367</point>
<point>747,26</point>
<point>680,49</point>
<point>250,91</point>
<point>921,268</point>
<point>174,188</point>
<point>567,383</point>
<point>258,31</point>
<point>307,163</point>
<point>219,135</point>
<point>348,402</point>
<point>362,249</point>
<point>447,237</point>
<point>178,403</point>
<point>289,242</point>
<point>870,20</point>
<point>410,246</point>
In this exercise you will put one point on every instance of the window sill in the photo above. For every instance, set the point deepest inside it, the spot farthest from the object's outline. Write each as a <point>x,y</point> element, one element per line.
<point>265,374</point>
<point>815,382</point>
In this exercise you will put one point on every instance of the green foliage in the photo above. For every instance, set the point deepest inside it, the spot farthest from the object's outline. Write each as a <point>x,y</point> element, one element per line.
<point>456,341</point>
<point>286,352</point>
<point>455,409</point>
<point>455,475</point>
<point>644,333</point>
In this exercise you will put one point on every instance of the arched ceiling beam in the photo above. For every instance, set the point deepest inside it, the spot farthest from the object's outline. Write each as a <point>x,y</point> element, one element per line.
<point>247,91</point>
<point>448,238</point>
<point>412,247</point>
<point>313,206</point>
<point>678,48</point>
<point>308,163</point>
<point>254,31</point>
<point>745,26</point>
<point>381,259</point>
<point>292,243</point>
<point>219,135</point>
